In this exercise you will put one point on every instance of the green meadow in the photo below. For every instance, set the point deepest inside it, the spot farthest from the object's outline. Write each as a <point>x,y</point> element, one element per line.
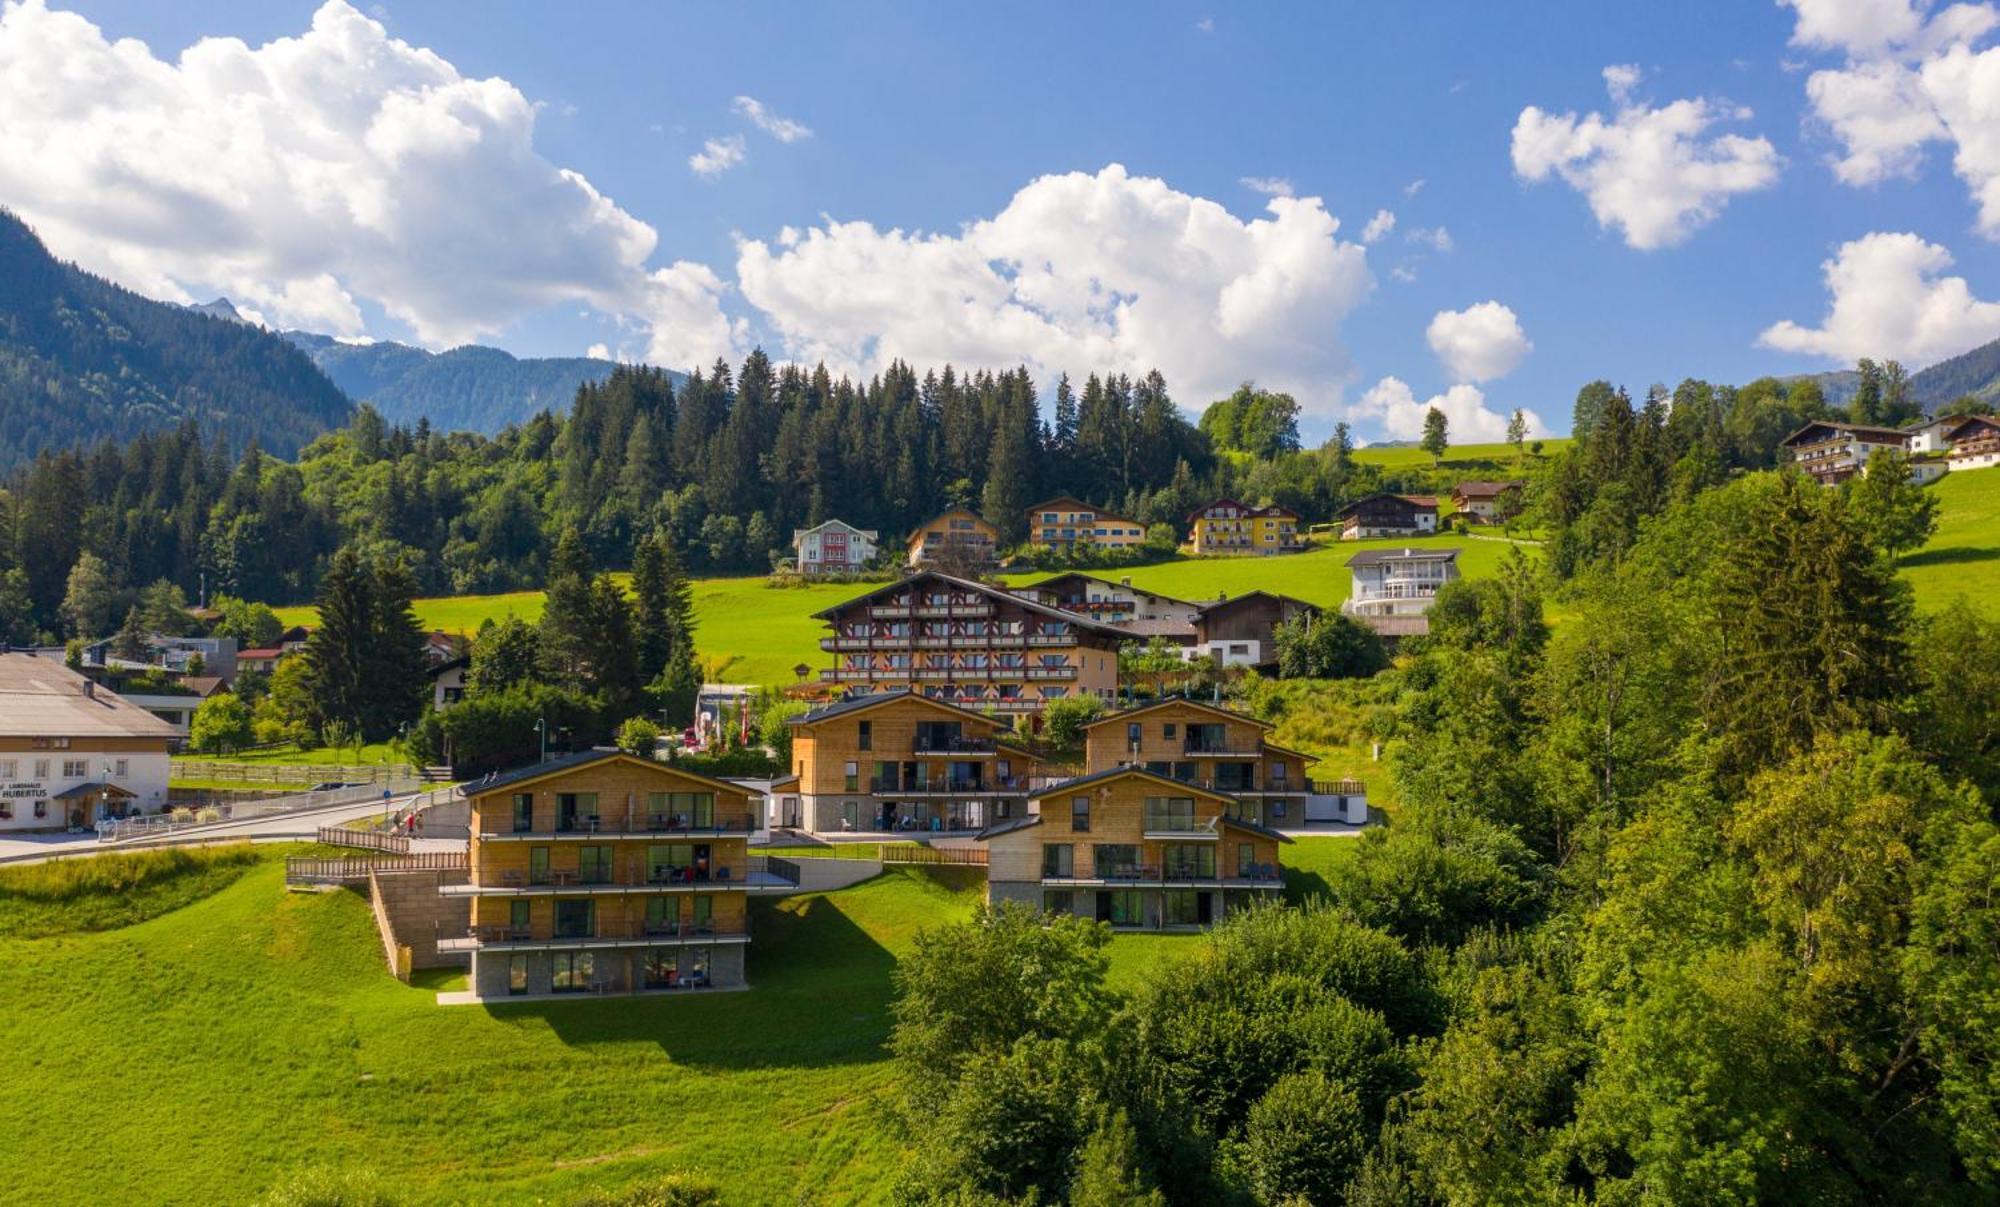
<point>1463,460</point>
<point>214,1034</point>
<point>1962,558</point>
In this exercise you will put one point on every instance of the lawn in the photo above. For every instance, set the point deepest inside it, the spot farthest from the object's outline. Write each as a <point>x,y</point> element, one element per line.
<point>206,1052</point>
<point>317,756</point>
<point>1466,460</point>
<point>1963,556</point>
<point>760,632</point>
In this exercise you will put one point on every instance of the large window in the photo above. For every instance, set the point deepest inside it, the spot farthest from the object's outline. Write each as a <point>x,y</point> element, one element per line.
<point>703,914</point>
<point>538,865</point>
<point>518,915</point>
<point>576,919</point>
<point>853,773</point>
<point>1190,861</point>
<point>687,810</point>
<point>576,810</point>
<point>1115,860</point>
<point>1079,814</point>
<point>865,736</point>
<point>1128,908</point>
<point>1170,813</point>
<point>1058,860</point>
<point>524,812</point>
<point>1182,907</point>
<point>517,974</point>
<point>594,865</point>
<point>663,915</point>
<point>1246,857</point>
<point>574,971</point>
<point>75,769</point>
<point>662,969</point>
<point>1059,901</point>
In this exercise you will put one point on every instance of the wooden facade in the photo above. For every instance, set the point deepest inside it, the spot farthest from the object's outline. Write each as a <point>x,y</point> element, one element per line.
<point>607,872</point>
<point>902,763</point>
<point>1387,515</point>
<point>1832,451</point>
<point>1133,849</point>
<point>1217,749</point>
<point>963,642</point>
<point>1975,444</point>
<point>958,540</point>
<point>1065,522</point>
<point>1242,630</point>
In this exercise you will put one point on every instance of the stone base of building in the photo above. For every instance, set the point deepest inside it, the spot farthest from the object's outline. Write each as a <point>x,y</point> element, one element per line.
<point>1136,908</point>
<point>499,976</point>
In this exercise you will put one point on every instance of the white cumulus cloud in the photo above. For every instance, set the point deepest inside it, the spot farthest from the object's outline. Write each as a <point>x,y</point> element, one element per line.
<point>1391,403</point>
<point>1909,80</point>
<point>784,129</point>
<point>1656,174</point>
<point>1437,238</point>
<point>1270,186</point>
<point>1888,298</point>
<point>1483,342</point>
<point>1080,271</point>
<point>315,172</point>
<point>1381,224</point>
<point>717,155</point>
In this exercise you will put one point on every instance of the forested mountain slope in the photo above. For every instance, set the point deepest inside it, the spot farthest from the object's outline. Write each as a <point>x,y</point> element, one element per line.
<point>82,360</point>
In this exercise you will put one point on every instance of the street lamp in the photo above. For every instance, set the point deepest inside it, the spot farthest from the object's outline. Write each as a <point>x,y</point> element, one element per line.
<point>542,734</point>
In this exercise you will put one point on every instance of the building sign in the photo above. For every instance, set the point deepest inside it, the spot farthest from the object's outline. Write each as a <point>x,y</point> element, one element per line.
<point>23,790</point>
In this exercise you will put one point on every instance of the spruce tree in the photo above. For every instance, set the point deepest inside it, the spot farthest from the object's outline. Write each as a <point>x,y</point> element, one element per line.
<point>651,642</point>
<point>566,615</point>
<point>396,682</point>
<point>336,651</point>
<point>1436,434</point>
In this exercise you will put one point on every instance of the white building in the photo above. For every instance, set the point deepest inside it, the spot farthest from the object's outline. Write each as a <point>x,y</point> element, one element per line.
<point>72,753</point>
<point>1975,443</point>
<point>1392,586</point>
<point>832,547</point>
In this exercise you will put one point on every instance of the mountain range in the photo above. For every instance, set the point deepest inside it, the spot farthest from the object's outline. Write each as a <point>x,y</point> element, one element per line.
<point>1975,373</point>
<point>82,360</point>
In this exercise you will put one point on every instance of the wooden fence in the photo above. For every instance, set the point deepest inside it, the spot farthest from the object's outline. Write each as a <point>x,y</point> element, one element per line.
<point>367,840</point>
<point>306,870</point>
<point>911,852</point>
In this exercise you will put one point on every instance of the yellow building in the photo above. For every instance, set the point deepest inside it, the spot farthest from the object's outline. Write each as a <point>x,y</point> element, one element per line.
<point>900,763</point>
<point>1229,527</point>
<point>958,539</point>
<point>1066,522</point>
<point>607,872</point>
<point>1134,849</point>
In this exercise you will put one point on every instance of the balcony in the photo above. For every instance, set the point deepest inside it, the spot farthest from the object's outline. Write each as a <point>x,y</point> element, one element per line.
<point>1050,672</point>
<point>1052,639</point>
<point>949,746</point>
<point>1225,748</point>
<point>1005,785</point>
<point>888,611</point>
<point>512,938</point>
<point>655,825</point>
<point>1255,876</point>
<point>972,609</point>
<point>1177,823</point>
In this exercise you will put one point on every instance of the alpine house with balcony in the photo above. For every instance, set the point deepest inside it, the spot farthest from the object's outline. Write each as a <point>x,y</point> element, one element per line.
<point>899,762</point>
<point>963,642</point>
<point>1135,849</point>
<point>1393,589</point>
<point>1222,751</point>
<point>608,872</point>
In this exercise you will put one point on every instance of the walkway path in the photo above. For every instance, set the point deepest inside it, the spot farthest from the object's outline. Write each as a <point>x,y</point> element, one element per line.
<point>294,826</point>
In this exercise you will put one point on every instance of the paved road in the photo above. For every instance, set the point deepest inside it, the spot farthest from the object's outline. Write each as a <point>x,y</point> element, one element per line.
<point>32,848</point>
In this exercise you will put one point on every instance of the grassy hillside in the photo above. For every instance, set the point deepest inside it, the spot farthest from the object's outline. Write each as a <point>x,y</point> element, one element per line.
<point>762,632</point>
<point>1466,460</point>
<point>1963,556</point>
<point>252,1032</point>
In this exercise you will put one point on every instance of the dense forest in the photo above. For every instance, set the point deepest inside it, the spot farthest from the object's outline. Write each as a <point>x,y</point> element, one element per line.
<point>1695,899</point>
<point>82,361</point>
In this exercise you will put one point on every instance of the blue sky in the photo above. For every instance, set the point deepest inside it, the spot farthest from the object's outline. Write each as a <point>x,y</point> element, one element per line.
<point>926,118</point>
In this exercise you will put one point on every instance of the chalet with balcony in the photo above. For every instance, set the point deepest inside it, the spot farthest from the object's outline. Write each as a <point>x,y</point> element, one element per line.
<point>900,763</point>
<point>1485,502</point>
<point>967,643</point>
<point>1220,750</point>
<point>832,547</point>
<point>1833,450</point>
<point>1065,522</point>
<point>1241,630</point>
<point>1381,515</point>
<point>958,541</point>
<point>1229,527</point>
<point>1393,589</point>
<point>1975,443</point>
<point>1135,849</point>
<point>607,872</point>
<point>1111,602</point>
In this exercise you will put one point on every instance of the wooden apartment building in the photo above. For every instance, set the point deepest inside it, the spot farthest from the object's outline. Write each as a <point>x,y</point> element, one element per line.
<point>964,642</point>
<point>1176,820</point>
<point>1066,522</point>
<point>900,763</point>
<point>608,872</point>
<point>958,540</point>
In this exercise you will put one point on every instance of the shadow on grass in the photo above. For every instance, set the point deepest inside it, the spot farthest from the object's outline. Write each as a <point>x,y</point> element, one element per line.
<point>1951,555</point>
<point>819,997</point>
<point>1302,886</point>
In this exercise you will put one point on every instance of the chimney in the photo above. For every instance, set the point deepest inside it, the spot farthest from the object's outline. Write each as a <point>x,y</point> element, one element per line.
<point>90,689</point>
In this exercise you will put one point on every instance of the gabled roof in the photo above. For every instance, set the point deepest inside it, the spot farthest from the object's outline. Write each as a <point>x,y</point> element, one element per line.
<point>204,685</point>
<point>564,764</point>
<point>798,533</point>
<point>1483,490</point>
<point>1835,426</point>
<point>1070,502</point>
<point>1943,421</point>
<point>1007,827</point>
<point>1225,713</point>
<point>1099,578</point>
<point>1217,605</point>
<point>1371,557</point>
<point>1159,627</point>
<point>1415,502</point>
<point>1238,823</point>
<point>1972,421</point>
<point>1097,778</point>
<point>40,697</point>
<point>860,704</point>
<point>450,664</point>
<point>1201,513</point>
<point>967,584</point>
<point>782,780</point>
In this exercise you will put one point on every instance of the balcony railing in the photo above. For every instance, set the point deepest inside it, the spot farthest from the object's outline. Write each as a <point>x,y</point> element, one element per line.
<point>889,611</point>
<point>1051,672</point>
<point>950,746</point>
<point>586,825</point>
<point>949,787</point>
<point>1224,746</point>
<point>1176,821</point>
<point>1255,875</point>
<point>1052,639</point>
<point>456,938</point>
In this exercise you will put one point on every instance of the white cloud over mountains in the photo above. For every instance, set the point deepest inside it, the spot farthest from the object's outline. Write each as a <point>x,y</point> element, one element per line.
<point>1482,342</point>
<point>1889,299</point>
<point>1909,80</point>
<point>1103,271</point>
<point>314,171</point>
<point>1396,407</point>
<point>1656,174</point>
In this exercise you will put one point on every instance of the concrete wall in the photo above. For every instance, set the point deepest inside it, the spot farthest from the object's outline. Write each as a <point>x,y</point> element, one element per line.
<point>1028,893</point>
<point>825,875</point>
<point>409,905</point>
<point>448,819</point>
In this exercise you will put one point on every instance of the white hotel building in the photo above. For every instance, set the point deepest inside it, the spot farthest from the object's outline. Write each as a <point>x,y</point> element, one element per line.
<point>72,753</point>
<point>1394,588</point>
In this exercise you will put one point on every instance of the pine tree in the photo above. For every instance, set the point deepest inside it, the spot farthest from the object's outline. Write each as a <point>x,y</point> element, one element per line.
<point>1436,434</point>
<point>566,615</point>
<point>396,670</point>
<point>1517,430</point>
<point>651,643</point>
<point>1866,406</point>
<point>336,651</point>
